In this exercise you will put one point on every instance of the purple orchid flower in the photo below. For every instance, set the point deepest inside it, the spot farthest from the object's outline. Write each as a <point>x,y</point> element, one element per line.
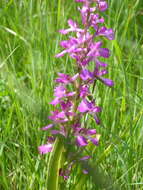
<point>66,79</point>
<point>73,28</point>
<point>61,92</point>
<point>86,106</point>
<point>73,97</point>
<point>84,136</point>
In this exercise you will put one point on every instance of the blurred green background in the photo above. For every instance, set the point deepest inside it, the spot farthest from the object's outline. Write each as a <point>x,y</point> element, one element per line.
<point>28,43</point>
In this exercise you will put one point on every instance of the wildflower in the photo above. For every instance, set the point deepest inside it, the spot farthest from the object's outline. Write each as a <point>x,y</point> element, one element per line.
<point>72,95</point>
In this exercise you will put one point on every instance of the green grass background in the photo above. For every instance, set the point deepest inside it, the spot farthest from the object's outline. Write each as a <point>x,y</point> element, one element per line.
<point>28,42</point>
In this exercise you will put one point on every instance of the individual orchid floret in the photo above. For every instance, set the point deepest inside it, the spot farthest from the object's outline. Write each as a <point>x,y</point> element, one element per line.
<point>85,10</point>
<point>81,141</point>
<point>108,33</point>
<point>74,46</point>
<point>94,20</point>
<point>100,63</point>
<point>84,136</point>
<point>73,28</point>
<point>61,92</point>
<point>89,107</point>
<point>84,91</point>
<point>86,106</point>
<point>66,79</point>
<point>58,117</point>
<point>107,82</point>
<point>43,149</point>
<point>86,75</point>
<point>62,131</point>
<point>94,49</point>
<point>102,5</point>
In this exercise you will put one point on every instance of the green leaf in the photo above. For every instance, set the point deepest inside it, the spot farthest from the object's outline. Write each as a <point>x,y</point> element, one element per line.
<point>55,165</point>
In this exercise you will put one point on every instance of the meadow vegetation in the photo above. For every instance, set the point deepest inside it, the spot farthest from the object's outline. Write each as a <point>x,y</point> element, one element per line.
<point>28,43</point>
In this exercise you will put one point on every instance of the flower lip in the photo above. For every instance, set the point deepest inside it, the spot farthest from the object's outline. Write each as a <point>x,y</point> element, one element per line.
<point>81,141</point>
<point>91,132</point>
<point>86,106</point>
<point>43,149</point>
<point>107,82</point>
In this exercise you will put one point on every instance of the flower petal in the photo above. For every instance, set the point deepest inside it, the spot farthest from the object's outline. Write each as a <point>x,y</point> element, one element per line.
<point>91,132</point>
<point>95,141</point>
<point>43,149</point>
<point>85,171</point>
<point>85,158</point>
<point>108,82</point>
<point>103,6</point>
<point>82,107</point>
<point>47,127</point>
<point>81,141</point>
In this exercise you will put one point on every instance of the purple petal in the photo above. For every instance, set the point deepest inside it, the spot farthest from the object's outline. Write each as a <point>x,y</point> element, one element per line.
<point>94,52</point>
<point>58,117</point>
<point>43,149</point>
<point>101,64</point>
<point>75,77</point>
<point>71,94</point>
<point>61,131</point>
<point>83,107</point>
<point>55,101</point>
<point>60,91</point>
<point>80,1</point>
<point>47,127</point>
<point>64,31</point>
<point>61,54</point>
<point>81,141</point>
<point>72,23</point>
<point>65,105</point>
<point>95,141</point>
<point>61,114</point>
<point>108,33</point>
<point>86,74</point>
<point>108,82</point>
<point>84,91</point>
<point>96,109</point>
<point>50,139</point>
<point>104,52</point>
<point>103,5</point>
<point>97,119</point>
<point>102,72</point>
<point>85,158</point>
<point>91,132</point>
<point>85,171</point>
<point>64,43</point>
<point>55,132</point>
<point>63,78</point>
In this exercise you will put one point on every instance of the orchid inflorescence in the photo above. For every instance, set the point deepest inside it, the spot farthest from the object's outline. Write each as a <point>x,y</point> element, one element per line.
<point>71,106</point>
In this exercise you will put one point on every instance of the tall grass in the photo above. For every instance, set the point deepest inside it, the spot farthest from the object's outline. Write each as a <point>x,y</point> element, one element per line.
<point>28,43</point>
